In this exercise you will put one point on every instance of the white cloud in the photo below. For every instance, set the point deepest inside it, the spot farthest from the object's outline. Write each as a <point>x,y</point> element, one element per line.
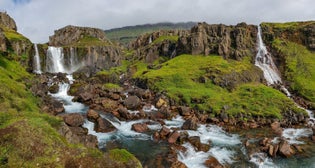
<point>37,19</point>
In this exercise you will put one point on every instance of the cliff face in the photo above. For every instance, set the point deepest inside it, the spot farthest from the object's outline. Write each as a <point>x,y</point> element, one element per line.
<point>232,42</point>
<point>7,21</point>
<point>90,46</point>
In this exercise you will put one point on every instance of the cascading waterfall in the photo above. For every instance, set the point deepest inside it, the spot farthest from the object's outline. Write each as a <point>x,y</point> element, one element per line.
<point>265,63</point>
<point>36,61</point>
<point>55,60</point>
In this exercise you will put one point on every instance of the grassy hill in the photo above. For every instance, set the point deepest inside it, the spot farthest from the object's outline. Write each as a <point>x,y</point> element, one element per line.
<point>126,34</point>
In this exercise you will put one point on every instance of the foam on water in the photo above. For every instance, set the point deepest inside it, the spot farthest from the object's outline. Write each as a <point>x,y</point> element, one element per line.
<point>292,135</point>
<point>262,161</point>
<point>176,122</point>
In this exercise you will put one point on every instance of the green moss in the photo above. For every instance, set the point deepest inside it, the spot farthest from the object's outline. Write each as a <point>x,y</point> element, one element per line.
<point>12,35</point>
<point>299,67</point>
<point>163,38</point>
<point>91,41</point>
<point>179,79</point>
<point>287,25</point>
<point>121,155</point>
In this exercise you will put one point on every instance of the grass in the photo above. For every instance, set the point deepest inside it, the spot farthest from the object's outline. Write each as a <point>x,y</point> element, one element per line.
<point>288,25</point>
<point>162,38</point>
<point>12,35</point>
<point>91,41</point>
<point>179,79</point>
<point>299,67</point>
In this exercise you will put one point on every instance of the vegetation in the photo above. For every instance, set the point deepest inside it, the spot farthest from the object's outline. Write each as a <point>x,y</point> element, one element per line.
<point>180,77</point>
<point>12,35</point>
<point>91,41</point>
<point>162,38</point>
<point>126,34</point>
<point>288,25</point>
<point>299,67</point>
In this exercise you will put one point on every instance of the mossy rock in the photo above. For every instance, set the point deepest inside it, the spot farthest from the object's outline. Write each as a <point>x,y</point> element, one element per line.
<point>123,156</point>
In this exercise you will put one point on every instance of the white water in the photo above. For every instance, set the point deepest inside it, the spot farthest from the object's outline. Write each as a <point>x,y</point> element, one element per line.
<point>292,135</point>
<point>55,60</point>
<point>36,62</point>
<point>265,63</point>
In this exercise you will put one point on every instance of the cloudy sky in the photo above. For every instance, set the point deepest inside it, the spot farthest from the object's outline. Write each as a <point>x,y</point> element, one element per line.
<point>37,19</point>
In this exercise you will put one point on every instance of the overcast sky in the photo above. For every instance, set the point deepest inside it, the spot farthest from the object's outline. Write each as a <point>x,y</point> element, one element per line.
<point>37,19</point>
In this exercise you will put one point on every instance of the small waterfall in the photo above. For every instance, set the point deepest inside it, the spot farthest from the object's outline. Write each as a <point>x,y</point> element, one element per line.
<point>265,63</point>
<point>150,39</point>
<point>55,60</point>
<point>36,61</point>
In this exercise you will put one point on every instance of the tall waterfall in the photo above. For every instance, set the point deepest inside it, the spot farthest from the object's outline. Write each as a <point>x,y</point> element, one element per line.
<point>265,63</point>
<point>36,61</point>
<point>55,60</point>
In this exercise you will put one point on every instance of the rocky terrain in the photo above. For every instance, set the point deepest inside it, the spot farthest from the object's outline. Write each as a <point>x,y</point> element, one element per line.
<point>206,76</point>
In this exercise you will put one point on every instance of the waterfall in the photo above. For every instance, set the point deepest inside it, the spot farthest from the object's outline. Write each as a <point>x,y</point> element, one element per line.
<point>265,63</point>
<point>55,60</point>
<point>150,39</point>
<point>36,61</point>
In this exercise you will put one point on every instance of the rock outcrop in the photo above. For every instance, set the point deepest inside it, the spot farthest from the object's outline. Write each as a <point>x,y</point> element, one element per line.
<point>7,21</point>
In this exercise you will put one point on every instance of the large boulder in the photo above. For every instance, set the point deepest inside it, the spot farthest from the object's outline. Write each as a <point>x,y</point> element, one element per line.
<point>74,119</point>
<point>132,102</point>
<point>173,137</point>
<point>140,127</point>
<point>195,141</point>
<point>191,124</point>
<point>103,125</point>
<point>285,149</point>
<point>92,115</point>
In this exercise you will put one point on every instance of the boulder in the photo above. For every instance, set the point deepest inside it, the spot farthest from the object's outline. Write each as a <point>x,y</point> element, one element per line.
<point>103,125</point>
<point>109,105</point>
<point>140,127</point>
<point>92,115</point>
<point>275,126</point>
<point>161,102</point>
<point>164,132</point>
<point>285,149</point>
<point>190,124</point>
<point>178,164</point>
<point>164,113</point>
<point>212,162</point>
<point>114,96</point>
<point>132,102</point>
<point>184,111</point>
<point>124,114</point>
<point>173,137</point>
<point>195,141</point>
<point>73,120</point>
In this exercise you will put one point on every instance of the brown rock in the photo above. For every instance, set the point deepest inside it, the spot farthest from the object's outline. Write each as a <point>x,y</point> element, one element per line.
<point>156,136</point>
<point>271,150</point>
<point>275,126</point>
<point>164,132</point>
<point>115,96</point>
<point>195,141</point>
<point>178,164</point>
<point>212,162</point>
<point>313,137</point>
<point>92,115</point>
<point>173,137</point>
<point>7,21</point>
<point>123,112</point>
<point>285,149</point>
<point>140,127</point>
<point>184,111</point>
<point>103,125</point>
<point>132,102</point>
<point>109,105</point>
<point>86,96</point>
<point>161,102</point>
<point>190,124</point>
<point>73,120</point>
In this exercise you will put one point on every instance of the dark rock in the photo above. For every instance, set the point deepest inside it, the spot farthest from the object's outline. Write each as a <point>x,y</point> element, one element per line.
<point>74,119</point>
<point>285,149</point>
<point>164,132</point>
<point>212,162</point>
<point>132,102</point>
<point>54,88</point>
<point>103,125</point>
<point>190,124</point>
<point>156,136</point>
<point>92,115</point>
<point>86,96</point>
<point>140,127</point>
<point>195,141</point>
<point>114,96</point>
<point>173,137</point>
<point>164,113</point>
<point>123,112</point>
<point>109,105</point>
<point>7,21</point>
<point>275,126</point>
<point>184,111</point>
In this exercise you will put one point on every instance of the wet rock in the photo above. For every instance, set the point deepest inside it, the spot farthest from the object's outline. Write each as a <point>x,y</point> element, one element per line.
<point>54,88</point>
<point>92,115</point>
<point>86,96</point>
<point>173,137</point>
<point>73,120</point>
<point>178,164</point>
<point>161,102</point>
<point>190,124</point>
<point>212,162</point>
<point>103,125</point>
<point>114,96</point>
<point>275,126</point>
<point>164,132</point>
<point>183,137</point>
<point>140,127</point>
<point>164,113</point>
<point>285,149</point>
<point>124,114</point>
<point>132,102</point>
<point>195,141</point>
<point>184,111</point>
<point>156,136</point>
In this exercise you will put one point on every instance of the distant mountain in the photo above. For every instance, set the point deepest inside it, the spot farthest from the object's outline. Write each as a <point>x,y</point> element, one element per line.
<point>126,34</point>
